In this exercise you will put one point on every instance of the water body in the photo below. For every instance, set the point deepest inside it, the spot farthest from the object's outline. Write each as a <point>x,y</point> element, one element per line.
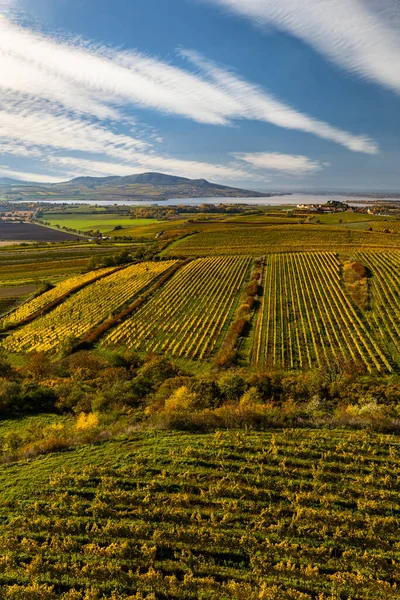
<point>285,200</point>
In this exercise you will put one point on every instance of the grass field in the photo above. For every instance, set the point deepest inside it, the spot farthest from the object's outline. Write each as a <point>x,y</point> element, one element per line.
<point>294,514</point>
<point>104,223</point>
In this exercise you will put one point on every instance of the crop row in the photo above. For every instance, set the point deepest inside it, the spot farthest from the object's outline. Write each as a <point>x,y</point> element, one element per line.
<point>187,316</point>
<point>384,316</point>
<point>308,320</point>
<point>299,515</point>
<point>65,287</point>
<point>86,309</point>
<point>257,241</point>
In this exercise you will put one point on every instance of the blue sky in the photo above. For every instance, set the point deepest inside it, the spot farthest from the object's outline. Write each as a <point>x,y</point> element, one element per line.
<point>263,94</point>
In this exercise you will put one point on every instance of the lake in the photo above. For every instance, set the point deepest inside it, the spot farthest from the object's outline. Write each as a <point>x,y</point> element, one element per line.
<point>289,199</point>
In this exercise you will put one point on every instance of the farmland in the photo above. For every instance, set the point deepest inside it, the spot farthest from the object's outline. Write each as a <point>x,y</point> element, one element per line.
<point>277,515</point>
<point>62,289</point>
<point>289,238</point>
<point>307,318</point>
<point>105,223</point>
<point>258,490</point>
<point>187,316</point>
<point>84,310</point>
<point>24,232</point>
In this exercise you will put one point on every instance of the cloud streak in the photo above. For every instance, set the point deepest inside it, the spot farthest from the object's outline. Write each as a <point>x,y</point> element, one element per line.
<point>23,176</point>
<point>97,82</point>
<point>361,36</point>
<point>284,163</point>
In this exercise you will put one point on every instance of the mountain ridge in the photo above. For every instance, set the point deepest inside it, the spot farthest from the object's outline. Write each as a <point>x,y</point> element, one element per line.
<point>144,186</point>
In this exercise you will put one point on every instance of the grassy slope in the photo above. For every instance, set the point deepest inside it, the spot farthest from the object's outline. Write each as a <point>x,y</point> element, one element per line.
<point>309,512</point>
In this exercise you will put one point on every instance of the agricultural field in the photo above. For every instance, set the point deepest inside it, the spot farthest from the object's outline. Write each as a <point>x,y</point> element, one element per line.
<point>20,272</point>
<point>384,314</point>
<point>187,317</point>
<point>47,298</point>
<point>294,514</point>
<point>25,232</point>
<point>307,319</point>
<point>257,241</point>
<point>86,309</point>
<point>105,223</point>
<point>11,295</point>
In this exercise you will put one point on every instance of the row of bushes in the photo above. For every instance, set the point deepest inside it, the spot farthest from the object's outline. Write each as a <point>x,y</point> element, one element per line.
<point>123,382</point>
<point>227,355</point>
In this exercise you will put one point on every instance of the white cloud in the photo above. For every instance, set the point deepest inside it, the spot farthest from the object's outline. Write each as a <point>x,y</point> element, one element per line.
<point>361,36</point>
<point>47,75</point>
<point>285,163</point>
<point>24,176</point>
<point>5,4</point>
<point>63,132</point>
<point>257,106</point>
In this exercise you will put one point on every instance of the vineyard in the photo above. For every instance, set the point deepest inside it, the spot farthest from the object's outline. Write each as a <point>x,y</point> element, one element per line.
<point>257,241</point>
<point>86,309</point>
<point>61,289</point>
<point>241,515</point>
<point>384,317</point>
<point>188,315</point>
<point>307,319</point>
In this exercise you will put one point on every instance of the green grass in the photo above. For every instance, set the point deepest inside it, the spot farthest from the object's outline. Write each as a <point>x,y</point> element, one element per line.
<point>292,514</point>
<point>104,223</point>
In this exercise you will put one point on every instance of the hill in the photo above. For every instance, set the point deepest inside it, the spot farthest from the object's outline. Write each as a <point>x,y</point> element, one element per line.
<point>144,186</point>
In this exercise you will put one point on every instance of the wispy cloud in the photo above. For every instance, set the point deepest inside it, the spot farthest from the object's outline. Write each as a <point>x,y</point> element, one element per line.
<point>285,163</point>
<point>257,106</point>
<point>42,74</point>
<point>5,5</point>
<point>361,36</point>
<point>23,176</point>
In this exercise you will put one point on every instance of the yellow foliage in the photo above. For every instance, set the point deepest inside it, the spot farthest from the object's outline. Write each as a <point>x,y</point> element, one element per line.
<point>181,400</point>
<point>88,421</point>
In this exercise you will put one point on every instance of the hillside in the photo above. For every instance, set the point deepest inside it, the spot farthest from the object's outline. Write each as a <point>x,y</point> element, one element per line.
<point>167,515</point>
<point>145,186</point>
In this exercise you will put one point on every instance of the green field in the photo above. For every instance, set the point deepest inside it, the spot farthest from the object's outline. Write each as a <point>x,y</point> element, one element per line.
<point>104,223</point>
<point>278,515</point>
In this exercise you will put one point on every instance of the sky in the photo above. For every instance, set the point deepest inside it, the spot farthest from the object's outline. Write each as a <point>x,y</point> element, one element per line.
<point>261,94</point>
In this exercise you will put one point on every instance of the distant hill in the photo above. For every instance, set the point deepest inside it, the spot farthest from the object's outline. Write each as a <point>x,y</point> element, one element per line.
<point>9,181</point>
<point>157,180</point>
<point>148,178</point>
<point>145,186</point>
